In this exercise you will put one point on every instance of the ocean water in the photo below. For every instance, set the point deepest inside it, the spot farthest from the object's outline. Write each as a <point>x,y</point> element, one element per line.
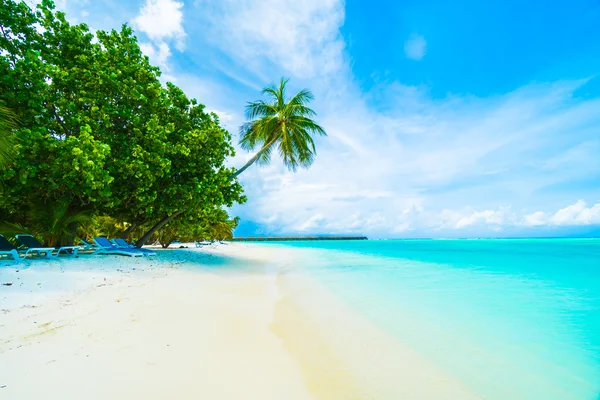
<point>510,319</point>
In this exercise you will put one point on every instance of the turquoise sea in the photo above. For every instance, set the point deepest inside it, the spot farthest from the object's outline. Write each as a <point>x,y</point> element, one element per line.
<point>510,319</point>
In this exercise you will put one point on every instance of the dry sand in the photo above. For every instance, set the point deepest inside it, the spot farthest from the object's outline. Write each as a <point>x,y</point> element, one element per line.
<point>233,322</point>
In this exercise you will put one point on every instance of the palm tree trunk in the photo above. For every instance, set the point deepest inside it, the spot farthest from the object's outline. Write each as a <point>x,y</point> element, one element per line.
<point>73,228</point>
<point>128,231</point>
<point>133,226</point>
<point>253,159</point>
<point>141,241</point>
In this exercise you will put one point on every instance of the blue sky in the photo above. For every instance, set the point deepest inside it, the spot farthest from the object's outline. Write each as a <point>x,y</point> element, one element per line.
<point>445,119</point>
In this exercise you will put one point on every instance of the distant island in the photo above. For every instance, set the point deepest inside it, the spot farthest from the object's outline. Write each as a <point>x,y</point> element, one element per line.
<point>290,238</point>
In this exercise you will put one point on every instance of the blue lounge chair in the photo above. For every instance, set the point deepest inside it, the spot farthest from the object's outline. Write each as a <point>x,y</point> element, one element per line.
<point>88,245</point>
<point>7,249</point>
<point>32,245</point>
<point>106,247</point>
<point>122,243</point>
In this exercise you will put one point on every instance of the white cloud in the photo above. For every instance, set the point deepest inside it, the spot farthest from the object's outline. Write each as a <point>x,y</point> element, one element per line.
<point>577,214</point>
<point>537,218</point>
<point>487,217</point>
<point>158,54</point>
<point>161,20</point>
<point>415,47</point>
<point>312,224</point>
<point>300,37</point>
<point>224,116</point>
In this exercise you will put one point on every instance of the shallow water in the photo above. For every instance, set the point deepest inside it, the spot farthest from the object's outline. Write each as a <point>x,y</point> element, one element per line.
<point>516,319</point>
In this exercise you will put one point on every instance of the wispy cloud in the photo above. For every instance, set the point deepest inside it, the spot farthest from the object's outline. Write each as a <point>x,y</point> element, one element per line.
<point>575,214</point>
<point>300,37</point>
<point>158,54</point>
<point>415,47</point>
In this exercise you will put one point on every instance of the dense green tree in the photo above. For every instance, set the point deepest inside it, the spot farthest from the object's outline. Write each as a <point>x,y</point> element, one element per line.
<point>201,148</point>
<point>57,158</point>
<point>280,123</point>
<point>98,131</point>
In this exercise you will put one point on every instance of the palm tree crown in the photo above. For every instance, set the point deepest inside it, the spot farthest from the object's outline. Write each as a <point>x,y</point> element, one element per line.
<point>280,123</point>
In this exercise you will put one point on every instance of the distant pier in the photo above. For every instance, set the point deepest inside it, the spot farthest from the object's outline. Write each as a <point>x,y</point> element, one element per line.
<point>295,238</point>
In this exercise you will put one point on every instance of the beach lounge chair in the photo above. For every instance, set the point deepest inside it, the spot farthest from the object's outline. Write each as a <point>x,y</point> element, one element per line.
<point>7,249</point>
<point>106,247</point>
<point>34,246</point>
<point>88,245</point>
<point>122,243</point>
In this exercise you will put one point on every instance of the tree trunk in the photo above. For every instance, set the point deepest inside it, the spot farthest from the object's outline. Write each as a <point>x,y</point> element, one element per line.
<point>165,245</point>
<point>253,159</point>
<point>73,228</point>
<point>141,241</point>
<point>128,231</point>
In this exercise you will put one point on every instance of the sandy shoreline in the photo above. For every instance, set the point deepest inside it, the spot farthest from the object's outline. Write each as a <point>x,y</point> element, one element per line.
<point>224,323</point>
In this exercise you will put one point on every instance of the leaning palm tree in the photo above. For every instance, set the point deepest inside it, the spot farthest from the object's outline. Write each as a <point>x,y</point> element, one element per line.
<point>8,122</point>
<point>280,123</point>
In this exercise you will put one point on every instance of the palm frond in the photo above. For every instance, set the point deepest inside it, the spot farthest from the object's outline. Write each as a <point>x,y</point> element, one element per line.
<point>273,92</point>
<point>259,109</point>
<point>301,98</point>
<point>283,123</point>
<point>57,223</point>
<point>10,229</point>
<point>308,125</point>
<point>299,111</point>
<point>265,156</point>
<point>248,138</point>
<point>281,98</point>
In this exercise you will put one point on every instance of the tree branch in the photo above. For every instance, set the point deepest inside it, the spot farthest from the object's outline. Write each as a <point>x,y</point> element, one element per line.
<point>14,61</point>
<point>60,121</point>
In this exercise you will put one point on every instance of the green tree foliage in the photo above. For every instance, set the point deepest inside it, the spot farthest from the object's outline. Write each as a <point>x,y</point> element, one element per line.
<point>100,226</point>
<point>210,225</point>
<point>98,132</point>
<point>280,123</point>
<point>8,140</point>
<point>55,224</point>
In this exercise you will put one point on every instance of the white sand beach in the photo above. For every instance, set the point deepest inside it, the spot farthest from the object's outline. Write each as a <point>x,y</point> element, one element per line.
<point>223,323</point>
